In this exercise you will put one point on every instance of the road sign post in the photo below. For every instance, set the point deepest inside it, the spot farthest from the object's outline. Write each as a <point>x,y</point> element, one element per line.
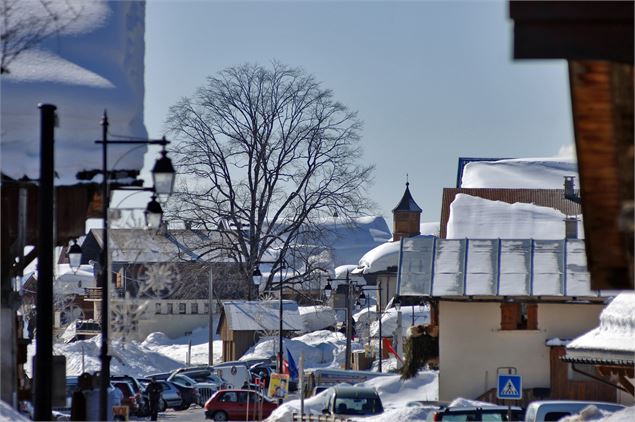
<point>509,386</point>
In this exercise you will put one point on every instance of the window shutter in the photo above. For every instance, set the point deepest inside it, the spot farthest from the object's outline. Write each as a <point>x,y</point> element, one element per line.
<point>509,316</point>
<point>532,316</point>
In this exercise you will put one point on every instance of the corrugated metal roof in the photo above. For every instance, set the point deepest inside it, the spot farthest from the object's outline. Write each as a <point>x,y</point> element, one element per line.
<point>245,315</point>
<point>553,198</point>
<point>494,267</point>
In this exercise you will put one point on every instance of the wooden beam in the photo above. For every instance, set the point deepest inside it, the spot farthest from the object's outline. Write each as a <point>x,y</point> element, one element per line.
<point>602,105</point>
<point>587,30</point>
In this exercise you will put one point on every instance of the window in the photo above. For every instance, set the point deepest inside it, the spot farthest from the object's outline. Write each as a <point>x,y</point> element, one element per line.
<point>206,308</point>
<point>519,316</point>
<point>170,308</point>
<point>157,308</point>
<point>182,308</point>
<point>194,308</point>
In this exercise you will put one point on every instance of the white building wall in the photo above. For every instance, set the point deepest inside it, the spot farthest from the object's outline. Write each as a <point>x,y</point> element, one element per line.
<point>174,324</point>
<point>472,345</point>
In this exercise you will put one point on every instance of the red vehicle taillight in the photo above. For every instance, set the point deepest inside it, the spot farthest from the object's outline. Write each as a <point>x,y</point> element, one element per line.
<point>437,416</point>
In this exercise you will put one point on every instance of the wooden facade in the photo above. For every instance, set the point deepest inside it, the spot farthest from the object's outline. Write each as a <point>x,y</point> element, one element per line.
<point>564,388</point>
<point>596,38</point>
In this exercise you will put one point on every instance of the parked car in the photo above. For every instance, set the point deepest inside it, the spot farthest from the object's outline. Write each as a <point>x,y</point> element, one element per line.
<point>476,413</point>
<point>553,410</point>
<point>159,376</point>
<point>143,400</point>
<point>359,401</point>
<point>227,405</point>
<point>189,394</point>
<point>129,398</point>
<point>204,389</point>
<point>170,396</point>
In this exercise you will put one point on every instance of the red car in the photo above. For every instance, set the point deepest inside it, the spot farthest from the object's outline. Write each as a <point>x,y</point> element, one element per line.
<point>227,405</point>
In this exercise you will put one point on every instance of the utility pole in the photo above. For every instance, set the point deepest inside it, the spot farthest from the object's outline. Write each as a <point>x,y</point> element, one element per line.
<point>349,324</point>
<point>210,334</point>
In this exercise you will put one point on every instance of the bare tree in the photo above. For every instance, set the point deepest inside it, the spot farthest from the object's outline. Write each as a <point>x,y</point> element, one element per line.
<point>26,23</point>
<point>266,153</point>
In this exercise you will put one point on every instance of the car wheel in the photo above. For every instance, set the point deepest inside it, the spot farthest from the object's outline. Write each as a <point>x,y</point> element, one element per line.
<point>220,416</point>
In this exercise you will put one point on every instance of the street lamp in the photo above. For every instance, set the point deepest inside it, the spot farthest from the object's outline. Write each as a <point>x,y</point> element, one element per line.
<point>74,256</point>
<point>163,175</point>
<point>349,318</point>
<point>154,213</point>
<point>257,279</point>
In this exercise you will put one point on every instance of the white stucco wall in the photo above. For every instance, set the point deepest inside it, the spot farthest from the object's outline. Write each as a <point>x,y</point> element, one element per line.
<point>472,345</point>
<point>173,325</point>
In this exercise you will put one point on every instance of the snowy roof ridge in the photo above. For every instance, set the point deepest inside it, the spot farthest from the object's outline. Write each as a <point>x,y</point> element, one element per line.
<point>244,315</point>
<point>614,338</point>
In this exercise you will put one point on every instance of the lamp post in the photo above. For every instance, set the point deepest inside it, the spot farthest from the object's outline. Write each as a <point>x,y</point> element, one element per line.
<point>163,176</point>
<point>257,279</point>
<point>380,336</point>
<point>349,318</point>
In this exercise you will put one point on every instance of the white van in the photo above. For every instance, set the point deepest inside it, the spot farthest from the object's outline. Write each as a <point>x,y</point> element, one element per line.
<point>554,410</point>
<point>234,373</point>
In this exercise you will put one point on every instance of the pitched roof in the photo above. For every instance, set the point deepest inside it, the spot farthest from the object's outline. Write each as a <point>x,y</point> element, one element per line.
<point>462,268</point>
<point>613,341</point>
<point>263,315</point>
<point>407,203</point>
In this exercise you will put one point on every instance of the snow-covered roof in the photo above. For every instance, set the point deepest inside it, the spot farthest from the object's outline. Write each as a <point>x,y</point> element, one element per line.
<point>478,218</point>
<point>141,245</point>
<point>245,315</point>
<point>613,339</point>
<point>65,71</point>
<point>317,317</point>
<point>538,173</point>
<point>494,267</point>
<point>68,282</point>
<point>379,258</point>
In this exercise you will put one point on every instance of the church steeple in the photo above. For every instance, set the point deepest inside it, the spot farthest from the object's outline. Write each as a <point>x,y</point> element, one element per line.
<point>406,217</point>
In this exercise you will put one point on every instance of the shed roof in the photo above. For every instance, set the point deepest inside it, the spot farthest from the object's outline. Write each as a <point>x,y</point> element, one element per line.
<point>245,315</point>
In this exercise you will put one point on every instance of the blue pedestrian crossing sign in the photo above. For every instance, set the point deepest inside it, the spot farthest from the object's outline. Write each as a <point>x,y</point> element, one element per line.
<point>509,387</point>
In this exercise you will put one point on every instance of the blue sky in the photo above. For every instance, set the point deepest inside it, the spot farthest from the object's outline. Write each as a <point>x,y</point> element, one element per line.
<point>432,81</point>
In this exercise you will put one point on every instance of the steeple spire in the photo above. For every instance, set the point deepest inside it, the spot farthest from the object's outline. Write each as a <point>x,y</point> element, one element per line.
<point>406,216</point>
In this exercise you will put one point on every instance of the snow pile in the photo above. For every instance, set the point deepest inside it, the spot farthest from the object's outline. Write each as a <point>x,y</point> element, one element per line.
<point>177,349</point>
<point>393,391</point>
<point>322,349</point>
<point>529,173</point>
<point>317,317</point>
<point>625,415</point>
<point>157,353</point>
<point>396,393</point>
<point>616,332</point>
<point>593,413</point>
<point>477,218</point>
<point>389,320</point>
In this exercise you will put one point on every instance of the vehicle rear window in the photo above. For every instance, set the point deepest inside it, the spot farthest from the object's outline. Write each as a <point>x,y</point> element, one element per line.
<point>556,416</point>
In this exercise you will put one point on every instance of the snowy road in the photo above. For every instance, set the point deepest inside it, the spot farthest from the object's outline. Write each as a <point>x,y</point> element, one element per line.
<point>194,413</point>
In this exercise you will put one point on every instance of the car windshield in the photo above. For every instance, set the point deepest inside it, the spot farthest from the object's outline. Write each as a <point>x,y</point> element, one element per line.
<point>358,406</point>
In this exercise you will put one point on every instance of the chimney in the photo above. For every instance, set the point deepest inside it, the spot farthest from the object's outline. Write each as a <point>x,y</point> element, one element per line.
<point>571,227</point>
